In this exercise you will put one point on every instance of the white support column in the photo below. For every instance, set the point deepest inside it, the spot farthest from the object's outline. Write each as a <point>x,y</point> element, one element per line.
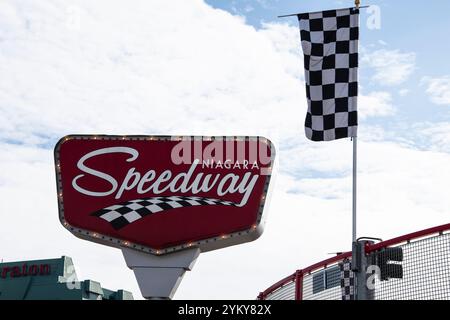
<point>158,277</point>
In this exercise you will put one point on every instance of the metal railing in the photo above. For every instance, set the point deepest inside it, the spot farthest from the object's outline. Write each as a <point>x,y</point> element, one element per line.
<point>425,276</point>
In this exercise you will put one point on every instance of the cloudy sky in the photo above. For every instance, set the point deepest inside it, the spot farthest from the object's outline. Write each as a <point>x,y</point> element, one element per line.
<point>221,67</point>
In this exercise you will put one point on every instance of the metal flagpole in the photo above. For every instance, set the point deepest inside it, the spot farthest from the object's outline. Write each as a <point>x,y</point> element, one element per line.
<point>359,261</point>
<point>355,169</point>
<point>296,14</point>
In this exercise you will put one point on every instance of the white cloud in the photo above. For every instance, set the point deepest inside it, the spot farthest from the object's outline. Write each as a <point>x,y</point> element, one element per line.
<point>248,8</point>
<point>205,65</point>
<point>285,40</point>
<point>200,71</point>
<point>438,89</point>
<point>436,136</point>
<point>390,176</point>
<point>378,103</point>
<point>264,4</point>
<point>392,67</point>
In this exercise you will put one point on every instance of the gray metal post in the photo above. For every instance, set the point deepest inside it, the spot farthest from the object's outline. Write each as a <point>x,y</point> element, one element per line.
<point>158,277</point>
<point>359,266</point>
<point>355,169</point>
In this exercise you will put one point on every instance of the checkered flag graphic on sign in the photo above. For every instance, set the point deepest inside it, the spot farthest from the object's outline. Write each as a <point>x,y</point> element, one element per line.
<point>330,47</point>
<point>125,213</point>
<point>348,281</point>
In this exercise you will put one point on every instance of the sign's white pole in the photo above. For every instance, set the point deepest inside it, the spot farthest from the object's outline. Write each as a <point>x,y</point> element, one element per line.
<point>355,158</point>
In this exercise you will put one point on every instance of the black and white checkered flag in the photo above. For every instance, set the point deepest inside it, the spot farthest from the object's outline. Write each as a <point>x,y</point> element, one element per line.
<point>125,213</point>
<point>348,281</point>
<point>330,47</point>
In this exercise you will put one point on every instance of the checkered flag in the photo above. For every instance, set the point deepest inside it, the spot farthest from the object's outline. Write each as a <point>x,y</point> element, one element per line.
<point>125,213</point>
<point>348,281</point>
<point>330,47</point>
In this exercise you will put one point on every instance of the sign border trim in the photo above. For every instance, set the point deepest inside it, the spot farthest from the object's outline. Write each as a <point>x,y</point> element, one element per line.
<point>204,245</point>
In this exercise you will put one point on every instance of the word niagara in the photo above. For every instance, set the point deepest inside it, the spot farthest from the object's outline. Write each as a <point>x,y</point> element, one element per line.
<point>151,182</point>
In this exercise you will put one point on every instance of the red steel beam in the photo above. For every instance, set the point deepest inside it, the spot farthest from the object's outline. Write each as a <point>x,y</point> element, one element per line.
<point>407,237</point>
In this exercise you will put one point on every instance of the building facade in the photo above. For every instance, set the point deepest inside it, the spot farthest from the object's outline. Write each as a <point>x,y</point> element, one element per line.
<point>53,279</point>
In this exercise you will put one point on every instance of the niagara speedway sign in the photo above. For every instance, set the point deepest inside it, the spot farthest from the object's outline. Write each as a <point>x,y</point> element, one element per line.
<point>163,194</point>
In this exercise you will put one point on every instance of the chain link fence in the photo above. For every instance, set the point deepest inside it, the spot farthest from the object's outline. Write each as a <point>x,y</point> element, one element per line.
<point>425,272</point>
<point>411,267</point>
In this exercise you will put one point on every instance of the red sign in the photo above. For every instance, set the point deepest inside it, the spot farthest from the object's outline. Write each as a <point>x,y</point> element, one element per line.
<point>163,194</point>
<point>25,271</point>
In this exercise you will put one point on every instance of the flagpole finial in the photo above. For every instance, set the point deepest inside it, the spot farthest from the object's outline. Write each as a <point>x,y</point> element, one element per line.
<point>357,3</point>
